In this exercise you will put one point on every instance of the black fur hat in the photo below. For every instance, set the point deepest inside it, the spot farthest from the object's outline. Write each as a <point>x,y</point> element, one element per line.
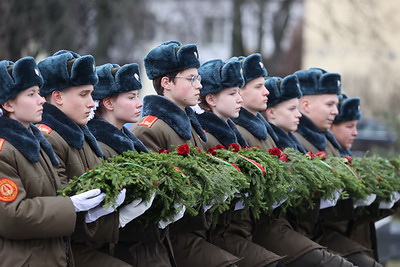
<point>217,75</point>
<point>170,57</point>
<point>18,76</point>
<point>66,69</point>
<point>114,80</point>
<point>282,89</point>
<point>349,109</point>
<point>253,67</point>
<point>317,81</point>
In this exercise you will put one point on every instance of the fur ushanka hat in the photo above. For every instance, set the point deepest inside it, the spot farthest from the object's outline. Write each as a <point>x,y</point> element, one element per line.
<point>282,89</point>
<point>253,67</point>
<point>170,57</point>
<point>66,69</point>
<point>18,76</point>
<point>317,81</point>
<point>217,75</point>
<point>114,79</point>
<point>349,109</point>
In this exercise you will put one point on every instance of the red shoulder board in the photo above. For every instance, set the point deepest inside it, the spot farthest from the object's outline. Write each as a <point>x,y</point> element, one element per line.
<point>8,190</point>
<point>2,141</point>
<point>148,121</point>
<point>44,128</point>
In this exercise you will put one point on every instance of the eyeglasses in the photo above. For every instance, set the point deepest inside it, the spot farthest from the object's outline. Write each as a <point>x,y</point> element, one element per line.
<point>191,79</point>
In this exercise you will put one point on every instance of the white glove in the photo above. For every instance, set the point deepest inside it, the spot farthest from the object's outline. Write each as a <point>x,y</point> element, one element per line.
<point>239,205</point>
<point>87,200</point>
<point>213,201</point>
<point>181,211</point>
<point>394,197</point>
<point>330,202</point>
<point>365,202</point>
<point>99,211</point>
<point>133,210</point>
<point>278,203</point>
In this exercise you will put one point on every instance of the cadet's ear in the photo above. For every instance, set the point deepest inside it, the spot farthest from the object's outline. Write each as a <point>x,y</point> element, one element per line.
<point>210,99</point>
<point>270,113</point>
<point>56,97</point>
<point>305,105</point>
<point>107,103</point>
<point>7,106</point>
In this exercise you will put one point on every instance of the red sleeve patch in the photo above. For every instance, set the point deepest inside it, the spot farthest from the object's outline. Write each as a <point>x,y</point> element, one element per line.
<point>148,121</point>
<point>44,128</point>
<point>8,190</point>
<point>2,141</point>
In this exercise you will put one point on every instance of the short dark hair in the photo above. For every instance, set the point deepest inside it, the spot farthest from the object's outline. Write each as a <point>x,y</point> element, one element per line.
<point>157,82</point>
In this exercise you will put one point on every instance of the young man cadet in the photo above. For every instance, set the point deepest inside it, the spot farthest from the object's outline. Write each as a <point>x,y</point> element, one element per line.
<point>169,121</point>
<point>275,234</point>
<point>319,108</point>
<point>68,84</point>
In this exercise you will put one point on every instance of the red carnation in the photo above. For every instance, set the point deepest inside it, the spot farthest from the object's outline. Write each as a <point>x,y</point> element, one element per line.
<point>245,147</point>
<point>275,151</point>
<point>348,158</point>
<point>212,151</point>
<point>183,150</point>
<point>284,157</point>
<point>310,155</point>
<point>235,147</point>
<point>321,155</point>
<point>219,146</point>
<point>163,151</point>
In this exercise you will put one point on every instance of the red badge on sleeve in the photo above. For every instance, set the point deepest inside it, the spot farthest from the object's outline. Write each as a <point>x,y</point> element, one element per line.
<point>2,140</point>
<point>44,128</point>
<point>148,121</point>
<point>8,190</point>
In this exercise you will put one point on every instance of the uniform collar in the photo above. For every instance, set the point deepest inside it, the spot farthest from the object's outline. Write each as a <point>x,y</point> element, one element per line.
<point>120,140</point>
<point>225,132</point>
<point>27,141</point>
<point>254,124</point>
<point>70,131</point>
<point>181,121</point>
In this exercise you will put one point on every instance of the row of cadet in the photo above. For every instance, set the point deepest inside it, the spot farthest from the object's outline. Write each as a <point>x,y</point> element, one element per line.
<point>46,138</point>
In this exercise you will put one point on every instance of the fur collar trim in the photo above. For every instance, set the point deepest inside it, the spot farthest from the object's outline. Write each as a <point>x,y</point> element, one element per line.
<point>254,124</point>
<point>27,141</point>
<point>179,120</point>
<point>225,132</point>
<point>71,132</point>
<point>120,140</point>
<point>313,135</point>
<point>287,140</point>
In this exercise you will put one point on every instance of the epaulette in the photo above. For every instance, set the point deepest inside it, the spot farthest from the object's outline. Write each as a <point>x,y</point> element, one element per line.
<point>148,121</point>
<point>44,128</point>
<point>2,141</point>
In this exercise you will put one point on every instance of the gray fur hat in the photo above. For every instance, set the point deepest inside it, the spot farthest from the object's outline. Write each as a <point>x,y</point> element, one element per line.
<point>170,57</point>
<point>18,76</point>
<point>66,69</point>
<point>315,81</point>
<point>282,89</point>
<point>217,75</point>
<point>349,109</point>
<point>114,80</point>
